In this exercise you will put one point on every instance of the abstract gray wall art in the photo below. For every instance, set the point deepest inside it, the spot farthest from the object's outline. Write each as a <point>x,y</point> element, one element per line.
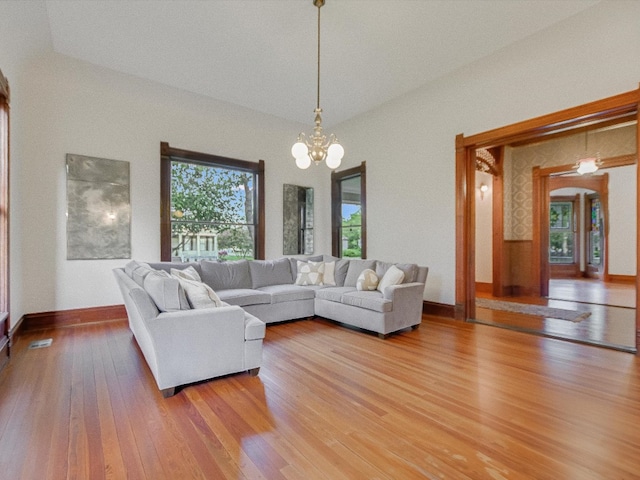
<point>98,208</point>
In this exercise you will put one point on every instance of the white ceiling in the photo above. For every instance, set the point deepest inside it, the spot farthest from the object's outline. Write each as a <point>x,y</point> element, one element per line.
<point>261,54</point>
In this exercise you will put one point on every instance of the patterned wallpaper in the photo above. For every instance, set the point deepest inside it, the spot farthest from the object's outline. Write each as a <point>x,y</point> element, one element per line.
<point>519,162</point>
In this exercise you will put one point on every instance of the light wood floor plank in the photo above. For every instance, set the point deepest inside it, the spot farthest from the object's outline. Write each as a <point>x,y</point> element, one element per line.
<point>448,401</point>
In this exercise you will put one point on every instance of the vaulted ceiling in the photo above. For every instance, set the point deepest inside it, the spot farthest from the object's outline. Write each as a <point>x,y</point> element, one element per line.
<point>261,54</point>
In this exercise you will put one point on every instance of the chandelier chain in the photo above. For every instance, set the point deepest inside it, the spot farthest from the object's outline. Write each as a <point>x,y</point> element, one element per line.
<point>318,90</point>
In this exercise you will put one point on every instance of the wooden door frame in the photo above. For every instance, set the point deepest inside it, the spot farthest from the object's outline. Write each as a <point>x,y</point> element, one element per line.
<point>577,220</point>
<point>622,107</point>
<point>336,207</point>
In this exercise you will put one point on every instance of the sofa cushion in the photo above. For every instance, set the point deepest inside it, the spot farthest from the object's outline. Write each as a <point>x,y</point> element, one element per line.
<point>368,280</point>
<point>341,268</point>
<point>243,296</point>
<point>369,300</point>
<point>199,295</point>
<point>165,291</point>
<point>293,261</point>
<point>226,275</point>
<point>393,276</point>
<point>270,272</point>
<point>190,273</point>
<point>355,269</point>
<point>329,275</point>
<point>167,266</point>
<point>139,274</point>
<point>410,270</point>
<point>288,293</point>
<point>254,329</point>
<point>333,294</point>
<point>130,267</point>
<point>310,273</point>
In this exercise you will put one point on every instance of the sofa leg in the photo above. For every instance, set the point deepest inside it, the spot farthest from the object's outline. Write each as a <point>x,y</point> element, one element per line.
<point>253,371</point>
<point>168,392</point>
<point>415,327</point>
<point>383,336</point>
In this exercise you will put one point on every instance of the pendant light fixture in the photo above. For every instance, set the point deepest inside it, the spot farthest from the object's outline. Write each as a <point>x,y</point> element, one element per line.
<point>588,163</point>
<point>317,147</point>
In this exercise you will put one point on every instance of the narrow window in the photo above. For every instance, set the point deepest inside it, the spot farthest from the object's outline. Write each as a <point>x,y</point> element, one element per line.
<point>561,232</point>
<point>348,213</point>
<point>211,207</point>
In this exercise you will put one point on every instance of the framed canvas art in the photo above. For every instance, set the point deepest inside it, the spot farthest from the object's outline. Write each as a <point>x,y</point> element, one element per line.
<point>98,208</point>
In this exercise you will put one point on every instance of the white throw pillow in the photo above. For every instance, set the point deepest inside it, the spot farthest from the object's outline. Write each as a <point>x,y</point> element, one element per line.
<point>329,275</point>
<point>310,273</point>
<point>368,280</point>
<point>393,276</point>
<point>189,273</point>
<point>199,295</point>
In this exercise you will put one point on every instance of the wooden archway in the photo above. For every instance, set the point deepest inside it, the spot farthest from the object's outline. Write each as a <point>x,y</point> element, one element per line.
<point>619,108</point>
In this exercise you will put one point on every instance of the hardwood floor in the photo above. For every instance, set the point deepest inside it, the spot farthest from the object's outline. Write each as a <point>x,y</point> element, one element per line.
<point>450,400</point>
<point>611,323</point>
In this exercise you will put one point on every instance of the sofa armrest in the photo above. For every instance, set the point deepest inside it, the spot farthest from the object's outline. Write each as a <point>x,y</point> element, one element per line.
<point>189,330</point>
<point>405,292</point>
<point>190,345</point>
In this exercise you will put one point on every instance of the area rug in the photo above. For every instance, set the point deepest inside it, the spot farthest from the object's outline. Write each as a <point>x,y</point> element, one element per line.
<point>538,310</point>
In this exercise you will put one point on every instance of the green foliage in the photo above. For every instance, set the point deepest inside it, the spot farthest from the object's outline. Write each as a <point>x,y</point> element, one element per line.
<point>352,230</point>
<point>207,199</point>
<point>352,253</point>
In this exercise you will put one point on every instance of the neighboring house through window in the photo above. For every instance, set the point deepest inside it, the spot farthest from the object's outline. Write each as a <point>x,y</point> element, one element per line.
<point>211,207</point>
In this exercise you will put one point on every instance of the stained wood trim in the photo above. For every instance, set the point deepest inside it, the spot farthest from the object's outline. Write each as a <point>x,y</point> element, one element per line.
<point>621,278</point>
<point>4,87</point>
<point>168,153</point>
<point>262,202</point>
<point>624,106</point>
<point>439,309</point>
<point>465,231</point>
<point>336,201</point>
<point>497,240</point>
<point>543,183</point>
<point>484,287</point>
<point>66,318</point>
<point>5,208</point>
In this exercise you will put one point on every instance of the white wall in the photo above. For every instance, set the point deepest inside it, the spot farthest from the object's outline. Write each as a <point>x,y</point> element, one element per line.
<point>409,144</point>
<point>60,105</point>
<point>623,202</point>
<point>63,106</point>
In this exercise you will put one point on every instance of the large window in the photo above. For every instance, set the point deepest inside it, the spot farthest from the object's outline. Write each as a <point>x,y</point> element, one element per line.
<point>211,206</point>
<point>348,203</point>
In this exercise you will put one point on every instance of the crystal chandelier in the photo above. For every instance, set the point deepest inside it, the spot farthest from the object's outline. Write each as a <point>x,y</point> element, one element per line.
<point>317,147</point>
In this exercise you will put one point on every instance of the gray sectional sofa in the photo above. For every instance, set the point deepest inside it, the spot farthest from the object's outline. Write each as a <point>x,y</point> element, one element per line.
<point>256,292</point>
<point>267,289</point>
